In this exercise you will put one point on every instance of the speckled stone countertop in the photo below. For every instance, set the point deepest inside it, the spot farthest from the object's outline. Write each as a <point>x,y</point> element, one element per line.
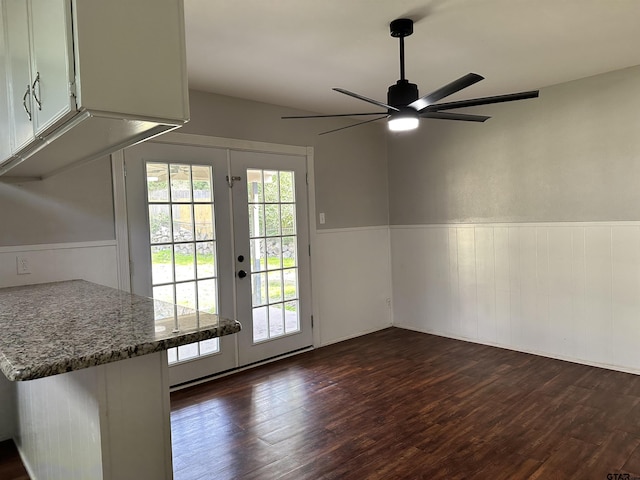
<point>58,327</point>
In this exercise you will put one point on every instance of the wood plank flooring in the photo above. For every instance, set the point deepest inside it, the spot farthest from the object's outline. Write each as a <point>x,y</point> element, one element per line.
<point>398,404</point>
<point>11,467</point>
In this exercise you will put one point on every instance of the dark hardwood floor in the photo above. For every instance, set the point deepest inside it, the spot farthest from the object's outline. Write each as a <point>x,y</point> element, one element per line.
<point>11,467</point>
<point>404,405</point>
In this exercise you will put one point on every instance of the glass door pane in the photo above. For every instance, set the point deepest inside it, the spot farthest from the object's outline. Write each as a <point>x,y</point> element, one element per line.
<point>183,244</point>
<point>273,255</point>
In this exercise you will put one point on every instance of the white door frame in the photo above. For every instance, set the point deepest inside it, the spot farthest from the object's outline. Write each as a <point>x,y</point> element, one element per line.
<point>120,200</point>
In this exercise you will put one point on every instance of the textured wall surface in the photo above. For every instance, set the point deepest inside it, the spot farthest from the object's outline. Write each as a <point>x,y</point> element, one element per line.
<point>571,155</point>
<point>350,166</point>
<point>74,206</point>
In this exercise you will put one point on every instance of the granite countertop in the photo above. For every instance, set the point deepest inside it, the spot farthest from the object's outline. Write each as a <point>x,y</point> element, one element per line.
<point>58,327</point>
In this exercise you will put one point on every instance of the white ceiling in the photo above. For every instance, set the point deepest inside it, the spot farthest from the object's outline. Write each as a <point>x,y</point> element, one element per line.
<point>292,52</point>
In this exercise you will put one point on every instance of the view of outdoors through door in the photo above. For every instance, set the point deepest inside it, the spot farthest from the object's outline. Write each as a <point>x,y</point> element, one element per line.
<point>222,231</point>
<point>183,244</point>
<point>274,256</point>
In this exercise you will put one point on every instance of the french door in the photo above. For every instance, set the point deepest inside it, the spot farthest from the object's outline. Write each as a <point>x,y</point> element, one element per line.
<point>270,225</point>
<point>226,232</point>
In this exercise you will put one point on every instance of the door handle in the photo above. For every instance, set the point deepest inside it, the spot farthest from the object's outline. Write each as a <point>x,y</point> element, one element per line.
<point>242,274</point>
<point>35,93</point>
<point>24,101</point>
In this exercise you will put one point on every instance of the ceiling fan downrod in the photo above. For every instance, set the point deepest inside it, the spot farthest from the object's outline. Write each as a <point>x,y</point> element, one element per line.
<point>402,93</point>
<point>400,28</point>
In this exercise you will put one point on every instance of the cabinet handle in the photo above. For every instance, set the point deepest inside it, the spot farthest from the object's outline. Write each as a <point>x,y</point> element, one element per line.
<point>24,101</point>
<point>35,93</point>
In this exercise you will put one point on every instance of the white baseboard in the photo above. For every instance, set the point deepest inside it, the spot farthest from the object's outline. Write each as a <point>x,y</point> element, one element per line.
<point>355,335</point>
<point>539,353</point>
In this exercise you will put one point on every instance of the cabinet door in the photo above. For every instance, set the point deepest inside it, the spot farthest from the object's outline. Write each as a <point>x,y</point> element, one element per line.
<point>52,62</point>
<point>16,24</point>
<point>5,142</point>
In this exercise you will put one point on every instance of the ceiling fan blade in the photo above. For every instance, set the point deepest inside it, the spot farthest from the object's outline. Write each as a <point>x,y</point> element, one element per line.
<point>454,116</point>
<point>366,99</point>
<point>354,125</point>
<point>449,89</point>
<point>510,97</point>
<point>337,115</point>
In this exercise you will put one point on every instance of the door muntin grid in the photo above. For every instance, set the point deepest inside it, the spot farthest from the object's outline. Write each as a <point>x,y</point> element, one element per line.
<point>183,245</point>
<point>273,253</point>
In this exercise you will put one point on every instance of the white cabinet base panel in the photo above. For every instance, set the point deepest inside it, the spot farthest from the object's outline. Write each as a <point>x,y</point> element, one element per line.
<point>107,422</point>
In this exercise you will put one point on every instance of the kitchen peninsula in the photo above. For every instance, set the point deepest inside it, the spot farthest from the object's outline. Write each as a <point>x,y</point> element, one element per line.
<point>91,375</point>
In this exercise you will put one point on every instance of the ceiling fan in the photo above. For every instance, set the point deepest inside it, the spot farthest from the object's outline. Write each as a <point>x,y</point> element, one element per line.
<point>405,107</point>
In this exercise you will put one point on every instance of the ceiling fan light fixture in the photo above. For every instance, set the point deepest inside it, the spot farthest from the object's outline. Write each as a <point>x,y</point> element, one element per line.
<point>403,121</point>
<point>404,108</point>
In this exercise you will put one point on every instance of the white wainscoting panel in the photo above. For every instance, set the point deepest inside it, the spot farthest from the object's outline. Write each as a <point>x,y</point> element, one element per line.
<point>564,290</point>
<point>93,261</point>
<point>351,282</point>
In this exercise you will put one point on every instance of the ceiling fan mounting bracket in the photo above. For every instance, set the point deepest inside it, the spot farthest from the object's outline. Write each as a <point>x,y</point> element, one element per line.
<point>402,27</point>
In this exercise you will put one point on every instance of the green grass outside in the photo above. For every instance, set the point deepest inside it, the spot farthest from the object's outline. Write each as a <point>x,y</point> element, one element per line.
<point>184,259</point>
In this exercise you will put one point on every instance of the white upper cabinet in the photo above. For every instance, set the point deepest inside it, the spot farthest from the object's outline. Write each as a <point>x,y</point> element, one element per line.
<point>84,78</point>
<point>39,53</point>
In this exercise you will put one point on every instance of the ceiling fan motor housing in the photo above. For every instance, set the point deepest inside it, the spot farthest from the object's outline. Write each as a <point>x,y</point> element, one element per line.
<point>402,94</point>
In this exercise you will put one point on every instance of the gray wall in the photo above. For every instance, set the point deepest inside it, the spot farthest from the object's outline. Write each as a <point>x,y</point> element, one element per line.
<point>74,206</point>
<point>350,166</point>
<point>77,206</point>
<point>571,155</point>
